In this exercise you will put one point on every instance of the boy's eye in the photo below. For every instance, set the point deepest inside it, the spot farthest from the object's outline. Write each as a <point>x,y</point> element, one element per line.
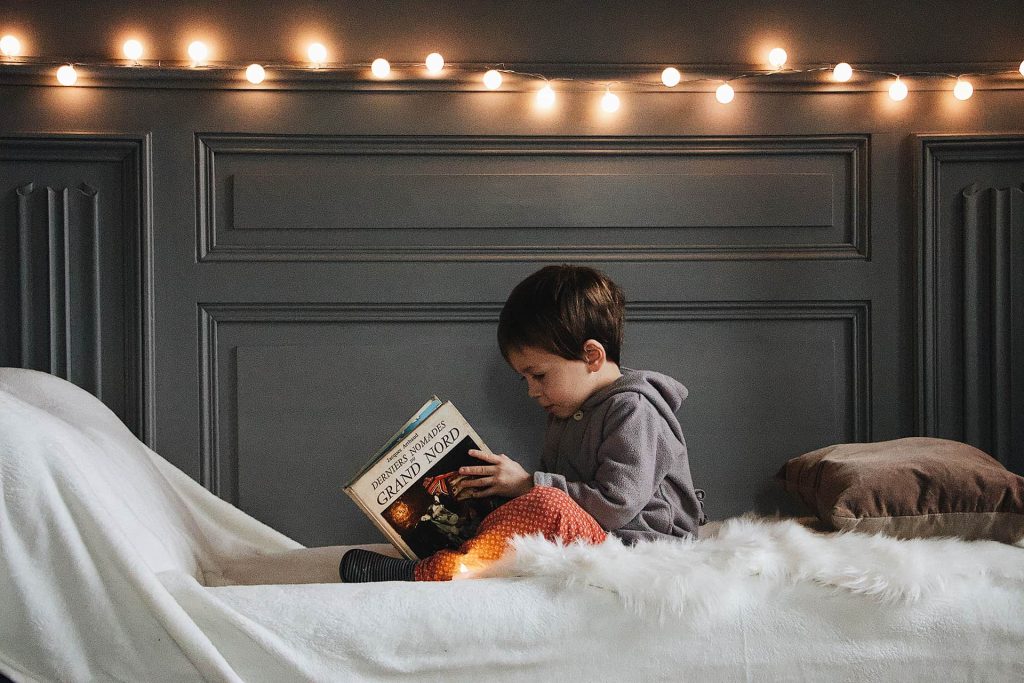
<point>538,378</point>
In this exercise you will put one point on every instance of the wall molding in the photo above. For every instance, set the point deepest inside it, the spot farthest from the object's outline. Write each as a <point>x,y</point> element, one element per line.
<point>853,148</point>
<point>68,212</point>
<point>133,152</point>
<point>212,315</point>
<point>982,279</point>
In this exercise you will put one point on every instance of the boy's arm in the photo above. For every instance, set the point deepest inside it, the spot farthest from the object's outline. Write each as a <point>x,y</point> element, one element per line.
<point>632,461</point>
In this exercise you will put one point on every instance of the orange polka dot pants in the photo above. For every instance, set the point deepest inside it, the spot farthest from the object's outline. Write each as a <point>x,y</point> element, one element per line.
<point>542,510</point>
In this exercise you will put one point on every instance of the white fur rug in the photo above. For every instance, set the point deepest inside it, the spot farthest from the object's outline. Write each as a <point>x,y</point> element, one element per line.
<point>685,576</point>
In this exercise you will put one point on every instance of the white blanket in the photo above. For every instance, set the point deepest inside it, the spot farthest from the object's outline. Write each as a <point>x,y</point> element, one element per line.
<point>104,545</point>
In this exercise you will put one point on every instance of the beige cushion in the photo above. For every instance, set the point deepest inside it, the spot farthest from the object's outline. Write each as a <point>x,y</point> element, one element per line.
<point>910,488</point>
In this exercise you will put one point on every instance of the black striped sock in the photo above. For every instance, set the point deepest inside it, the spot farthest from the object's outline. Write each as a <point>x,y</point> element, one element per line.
<point>360,566</point>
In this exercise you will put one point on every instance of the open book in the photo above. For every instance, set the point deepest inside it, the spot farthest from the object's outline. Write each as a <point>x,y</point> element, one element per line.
<point>408,487</point>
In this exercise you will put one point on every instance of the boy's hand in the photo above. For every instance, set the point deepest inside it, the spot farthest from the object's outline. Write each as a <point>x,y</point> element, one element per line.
<point>503,476</point>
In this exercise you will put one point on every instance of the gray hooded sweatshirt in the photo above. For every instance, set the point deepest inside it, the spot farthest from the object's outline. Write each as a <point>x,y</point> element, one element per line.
<point>622,457</point>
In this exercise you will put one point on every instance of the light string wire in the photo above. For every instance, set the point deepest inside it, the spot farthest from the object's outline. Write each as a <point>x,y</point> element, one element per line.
<point>329,68</point>
<point>748,75</point>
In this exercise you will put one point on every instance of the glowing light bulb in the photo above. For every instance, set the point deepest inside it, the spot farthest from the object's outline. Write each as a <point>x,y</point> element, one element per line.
<point>963,89</point>
<point>434,62</point>
<point>843,72</point>
<point>777,57</point>
<point>492,79</point>
<point>255,73</point>
<point>670,77</point>
<point>132,49</point>
<point>1021,69</point>
<point>898,90</point>
<point>610,102</point>
<point>10,46</point>
<point>317,53</point>
<point>463,568</point>
<point>66,75</point>
<point>198,52</point>
<point>725,93</point>
<point>546,97</point>
<point>381,68</point>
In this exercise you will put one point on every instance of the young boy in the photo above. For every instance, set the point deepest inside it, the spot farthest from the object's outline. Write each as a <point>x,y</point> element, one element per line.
<point>614,458</point>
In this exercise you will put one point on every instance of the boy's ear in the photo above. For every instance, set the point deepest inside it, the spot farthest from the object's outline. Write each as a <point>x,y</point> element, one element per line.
<point>594,354</point>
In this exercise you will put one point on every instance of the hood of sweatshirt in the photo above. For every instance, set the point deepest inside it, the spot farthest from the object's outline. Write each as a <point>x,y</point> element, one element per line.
<point>665,393</point>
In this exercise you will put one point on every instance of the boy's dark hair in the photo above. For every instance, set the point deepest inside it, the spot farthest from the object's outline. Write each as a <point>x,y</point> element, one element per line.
<point>560,307</point>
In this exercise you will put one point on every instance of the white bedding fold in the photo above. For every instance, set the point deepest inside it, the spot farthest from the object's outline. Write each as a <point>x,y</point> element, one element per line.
<point>86,521</point>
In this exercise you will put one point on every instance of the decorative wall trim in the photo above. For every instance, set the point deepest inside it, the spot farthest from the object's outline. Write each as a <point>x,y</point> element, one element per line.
<point>211,315</point>
<point>26,277</point>
<point>46,345</point>
<point>79,206</point>
<point>982,280</point>
<point>987,224</point>
<point>854,150</point>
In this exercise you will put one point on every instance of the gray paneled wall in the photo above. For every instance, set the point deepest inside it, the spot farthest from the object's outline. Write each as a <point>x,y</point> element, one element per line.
<point>292,390</point>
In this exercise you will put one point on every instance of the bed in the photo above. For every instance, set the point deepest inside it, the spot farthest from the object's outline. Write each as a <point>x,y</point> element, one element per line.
<point>107,554</point>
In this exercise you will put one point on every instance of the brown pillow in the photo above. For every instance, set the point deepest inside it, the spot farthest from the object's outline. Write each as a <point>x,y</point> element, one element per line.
<point>910,488</point>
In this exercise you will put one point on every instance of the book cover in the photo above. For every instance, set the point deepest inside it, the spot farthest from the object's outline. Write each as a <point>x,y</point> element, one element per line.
<point>408,487</point>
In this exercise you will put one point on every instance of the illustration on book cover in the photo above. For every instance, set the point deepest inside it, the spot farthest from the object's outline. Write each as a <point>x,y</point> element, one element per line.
<point>408,487</point>
<point>428,517</point>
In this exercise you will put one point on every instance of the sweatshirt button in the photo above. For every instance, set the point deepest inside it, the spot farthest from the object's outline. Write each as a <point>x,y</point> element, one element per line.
<point>578,415</point>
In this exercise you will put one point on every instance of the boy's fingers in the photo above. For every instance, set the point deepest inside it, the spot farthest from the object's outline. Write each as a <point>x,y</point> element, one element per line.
<point>477,470</point>
<point>483,455</point>
<point>479,482</point>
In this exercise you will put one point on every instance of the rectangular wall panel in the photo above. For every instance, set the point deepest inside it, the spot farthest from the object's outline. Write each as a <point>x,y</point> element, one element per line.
<point>429,198</point>
<point>74,265</point>
<point>297,397</point>
<point>971,265</point>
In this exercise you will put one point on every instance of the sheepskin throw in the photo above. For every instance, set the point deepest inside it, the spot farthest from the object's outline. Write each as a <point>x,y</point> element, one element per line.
<point>686,576</point>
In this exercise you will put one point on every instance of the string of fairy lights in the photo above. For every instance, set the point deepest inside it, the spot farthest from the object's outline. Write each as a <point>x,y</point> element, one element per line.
<point>434,66</point>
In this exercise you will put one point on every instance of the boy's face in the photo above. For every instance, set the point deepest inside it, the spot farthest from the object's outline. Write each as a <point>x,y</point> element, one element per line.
<point>558,384</point>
